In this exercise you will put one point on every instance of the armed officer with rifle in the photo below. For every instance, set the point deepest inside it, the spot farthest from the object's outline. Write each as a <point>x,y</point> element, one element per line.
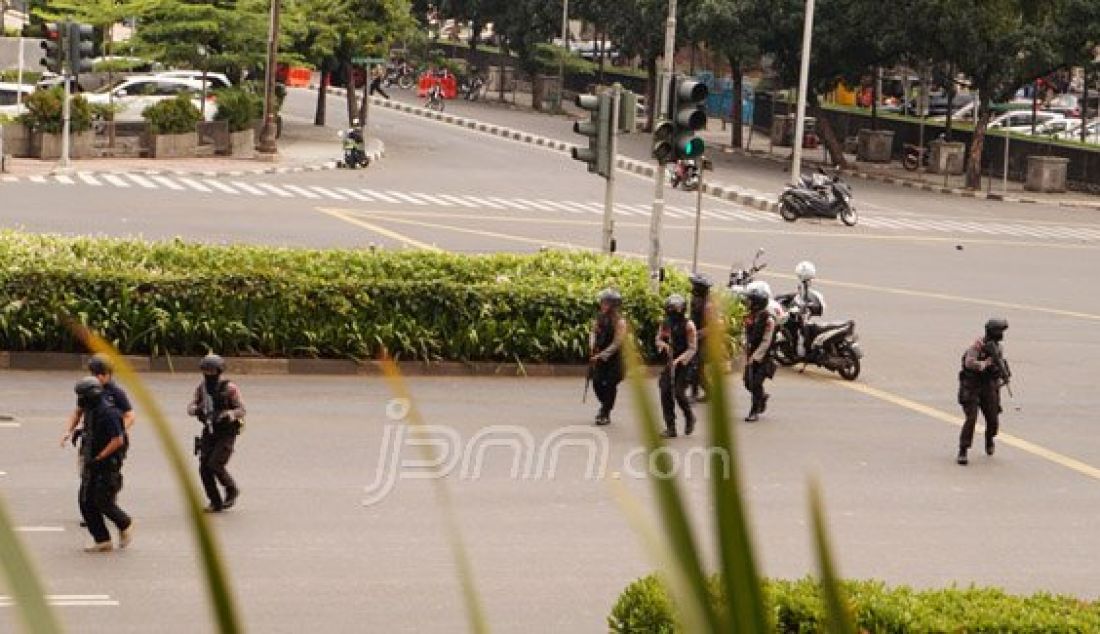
<point>984,371</point>
<point>218,406</point>
<point>605,362</point>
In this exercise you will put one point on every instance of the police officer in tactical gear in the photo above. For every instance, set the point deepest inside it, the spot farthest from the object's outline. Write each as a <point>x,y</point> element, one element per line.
<point>677,339</point>
<point>760,329</point>
<point>217,404</point>
<point>605,352</point>
<point>101,473</point>
<point>700,304</point>
<point>100,367</point>
<point>983,372</point>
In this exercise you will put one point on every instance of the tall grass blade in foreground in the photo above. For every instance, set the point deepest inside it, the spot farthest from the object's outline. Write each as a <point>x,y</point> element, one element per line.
<point>839,618</point>
<point>686,579</point>
<point>474,611</point>
<point>213,565</point>
<point>23,582</point>
<point>745,609</point>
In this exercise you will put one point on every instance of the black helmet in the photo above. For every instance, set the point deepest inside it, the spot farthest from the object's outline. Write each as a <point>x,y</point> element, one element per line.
<point>756,298</point>
<point>675,303</point>
<point>611,296</point>
<point>100,364</point>
<point>88,387</point>
<point>212,362</point>
<point>700,284</point>
<point>995,328</point>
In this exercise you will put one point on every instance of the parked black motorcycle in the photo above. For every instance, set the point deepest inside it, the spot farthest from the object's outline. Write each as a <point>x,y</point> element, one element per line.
<point>818,196</point>
<point>472,87</point>
<point>830,345</point>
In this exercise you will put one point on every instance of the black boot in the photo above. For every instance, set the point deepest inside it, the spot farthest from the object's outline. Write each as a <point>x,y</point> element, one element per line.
<point>231,496</point>
<point>670,430</point>
<point>764,403</point>
<point>962,459</point>
<point>689,426</point>
<point>989,447</point>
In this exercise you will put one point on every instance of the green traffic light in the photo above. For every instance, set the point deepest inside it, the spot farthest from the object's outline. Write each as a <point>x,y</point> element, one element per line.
<point>691,148</point>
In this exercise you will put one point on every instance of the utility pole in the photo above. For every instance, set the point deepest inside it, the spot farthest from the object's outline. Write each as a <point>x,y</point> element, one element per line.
<point>609,191</point>
<point>267,143</point>
<point>564,52</point>
<point>803,85</point>
<point>659,178</point>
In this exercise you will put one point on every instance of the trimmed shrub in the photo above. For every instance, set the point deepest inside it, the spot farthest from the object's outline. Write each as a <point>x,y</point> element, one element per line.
<point>796,606</point>
<point>173,116</point>
<point>44,112</point>
<point>239,108</point>
<point>179,298</point>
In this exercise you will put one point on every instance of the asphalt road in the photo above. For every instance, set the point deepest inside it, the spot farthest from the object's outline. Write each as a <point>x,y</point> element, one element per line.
<point>920,275</point>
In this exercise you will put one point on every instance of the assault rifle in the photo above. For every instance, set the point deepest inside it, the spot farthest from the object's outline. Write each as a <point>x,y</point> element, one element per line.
<point>1004,374</point>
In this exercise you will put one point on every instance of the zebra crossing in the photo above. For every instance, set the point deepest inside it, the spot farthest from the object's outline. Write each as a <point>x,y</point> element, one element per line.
<point>713,210</point>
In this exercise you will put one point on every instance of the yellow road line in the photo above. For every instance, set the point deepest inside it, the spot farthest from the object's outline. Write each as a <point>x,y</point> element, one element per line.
<point>724,267</point>
<point>930,412</point>
<point>340,215</point>
<point>882,395</point>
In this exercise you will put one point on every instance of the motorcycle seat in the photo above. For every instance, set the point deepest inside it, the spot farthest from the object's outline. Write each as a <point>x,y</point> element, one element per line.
<point>819,327</point>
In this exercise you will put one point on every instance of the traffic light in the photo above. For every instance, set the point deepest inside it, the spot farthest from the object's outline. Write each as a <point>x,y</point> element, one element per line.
<point>51,49</point>
<point>598,131</point>
<point>664,132</point>
<point>687,108</point>
<point>80,48</point>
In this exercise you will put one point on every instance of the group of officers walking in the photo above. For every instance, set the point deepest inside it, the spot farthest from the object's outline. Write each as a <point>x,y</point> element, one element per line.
<point>680,339</point>
<point>100,427</point>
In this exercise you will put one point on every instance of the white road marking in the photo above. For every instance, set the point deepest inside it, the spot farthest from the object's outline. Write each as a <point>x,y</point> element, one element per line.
<point>483,203</point>
<point>458,201</point>
<point>379,195</point>
<point>168,182</point>
<point>142,181</point>
<point>64,179</point>
<point>89,179</point>
<point>37,179</point>
<point>434,200</point>
<point>70,601</point>
<point>509,204</point>
<point>275,190</point>
<point>352,194</point>
<point>405,197</point>
<point>10,425</point>
<point>40,529</point>
<point>116,181</point>
<point>245,187</point>
<point>220,185</point>
<point>561,206</point>
<point>327,193</point>
<point>294,189</point>
<point>529,203</point>
<point>195,185</point>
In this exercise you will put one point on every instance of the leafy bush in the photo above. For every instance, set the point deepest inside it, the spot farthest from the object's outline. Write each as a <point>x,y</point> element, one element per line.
<point>239,107</point>
<point>797,606</point>
<point>11,76</point>
<point>173,116</point>
<point>44,112</point>
<point>178,298</point>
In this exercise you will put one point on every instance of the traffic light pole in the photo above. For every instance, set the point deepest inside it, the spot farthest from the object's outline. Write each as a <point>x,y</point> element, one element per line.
<point>659,178</point>
<point>698,215</point>
<point>66,111</point>
<point>609,191</point>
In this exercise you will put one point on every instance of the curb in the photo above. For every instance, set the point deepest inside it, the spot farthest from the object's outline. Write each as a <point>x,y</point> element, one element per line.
<point>75,362</point>
<point>727,193</point>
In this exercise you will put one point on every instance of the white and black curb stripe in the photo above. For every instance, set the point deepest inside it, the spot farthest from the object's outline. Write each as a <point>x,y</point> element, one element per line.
<point>723,192</point>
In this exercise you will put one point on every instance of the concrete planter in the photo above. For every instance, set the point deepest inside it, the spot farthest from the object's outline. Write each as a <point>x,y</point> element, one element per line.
<point>242,144</point>
<point>169,146</point>
<point>17,140</point>
<point>783,129</point>
<point>947,157</point>
<point>1046,174</point>
<point>875,146</point>
<point>48,146</point>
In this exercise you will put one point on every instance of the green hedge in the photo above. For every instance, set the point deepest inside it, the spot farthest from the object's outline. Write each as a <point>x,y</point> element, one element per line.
<point>796,607</point>
<point>173,116</point>
<point>180,298</point>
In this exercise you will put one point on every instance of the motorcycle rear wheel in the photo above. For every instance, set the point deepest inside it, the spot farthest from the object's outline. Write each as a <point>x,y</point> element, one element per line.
<point>787,212</point>
<point>910,162</point>
<point>849,216</point>
<point>850,370</point>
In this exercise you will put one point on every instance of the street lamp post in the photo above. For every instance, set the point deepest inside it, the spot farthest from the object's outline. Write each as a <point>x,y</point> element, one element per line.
<point>564,52</point>
<point>267,143</point>
<point>803,83</point>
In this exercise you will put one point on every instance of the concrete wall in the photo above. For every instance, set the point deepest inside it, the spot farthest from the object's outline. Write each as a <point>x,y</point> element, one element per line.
<point>9,53</point>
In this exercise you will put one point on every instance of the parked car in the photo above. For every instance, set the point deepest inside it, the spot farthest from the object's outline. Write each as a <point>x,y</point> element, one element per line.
<point>8,98</point>
<point>1066,105</point>
<point>132,95</point>
<point>1021,120</point>
<point>214,81</point>
<point>1056,127</point>
<point>1073,132</point>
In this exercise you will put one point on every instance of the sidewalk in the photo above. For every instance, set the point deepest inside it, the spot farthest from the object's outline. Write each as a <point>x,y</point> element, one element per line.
<point>759,145</point>
<point>302,147</point>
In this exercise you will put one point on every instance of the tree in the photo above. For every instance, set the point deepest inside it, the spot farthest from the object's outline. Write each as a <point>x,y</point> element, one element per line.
<point>1077,38</point>
<point>225,35</point>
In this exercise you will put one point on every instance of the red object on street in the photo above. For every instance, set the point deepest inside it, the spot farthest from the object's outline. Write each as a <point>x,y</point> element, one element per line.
<point>447,82</point>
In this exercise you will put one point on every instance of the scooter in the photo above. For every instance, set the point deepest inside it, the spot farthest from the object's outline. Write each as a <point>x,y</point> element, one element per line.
<point>741,278</point>
<point>818,196</point>
<point>354,151</point>
<point>830,345</point>
<point>402,77</point>
<point>472,87</point>
<point>684,173</point>
<point>915,156</point>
